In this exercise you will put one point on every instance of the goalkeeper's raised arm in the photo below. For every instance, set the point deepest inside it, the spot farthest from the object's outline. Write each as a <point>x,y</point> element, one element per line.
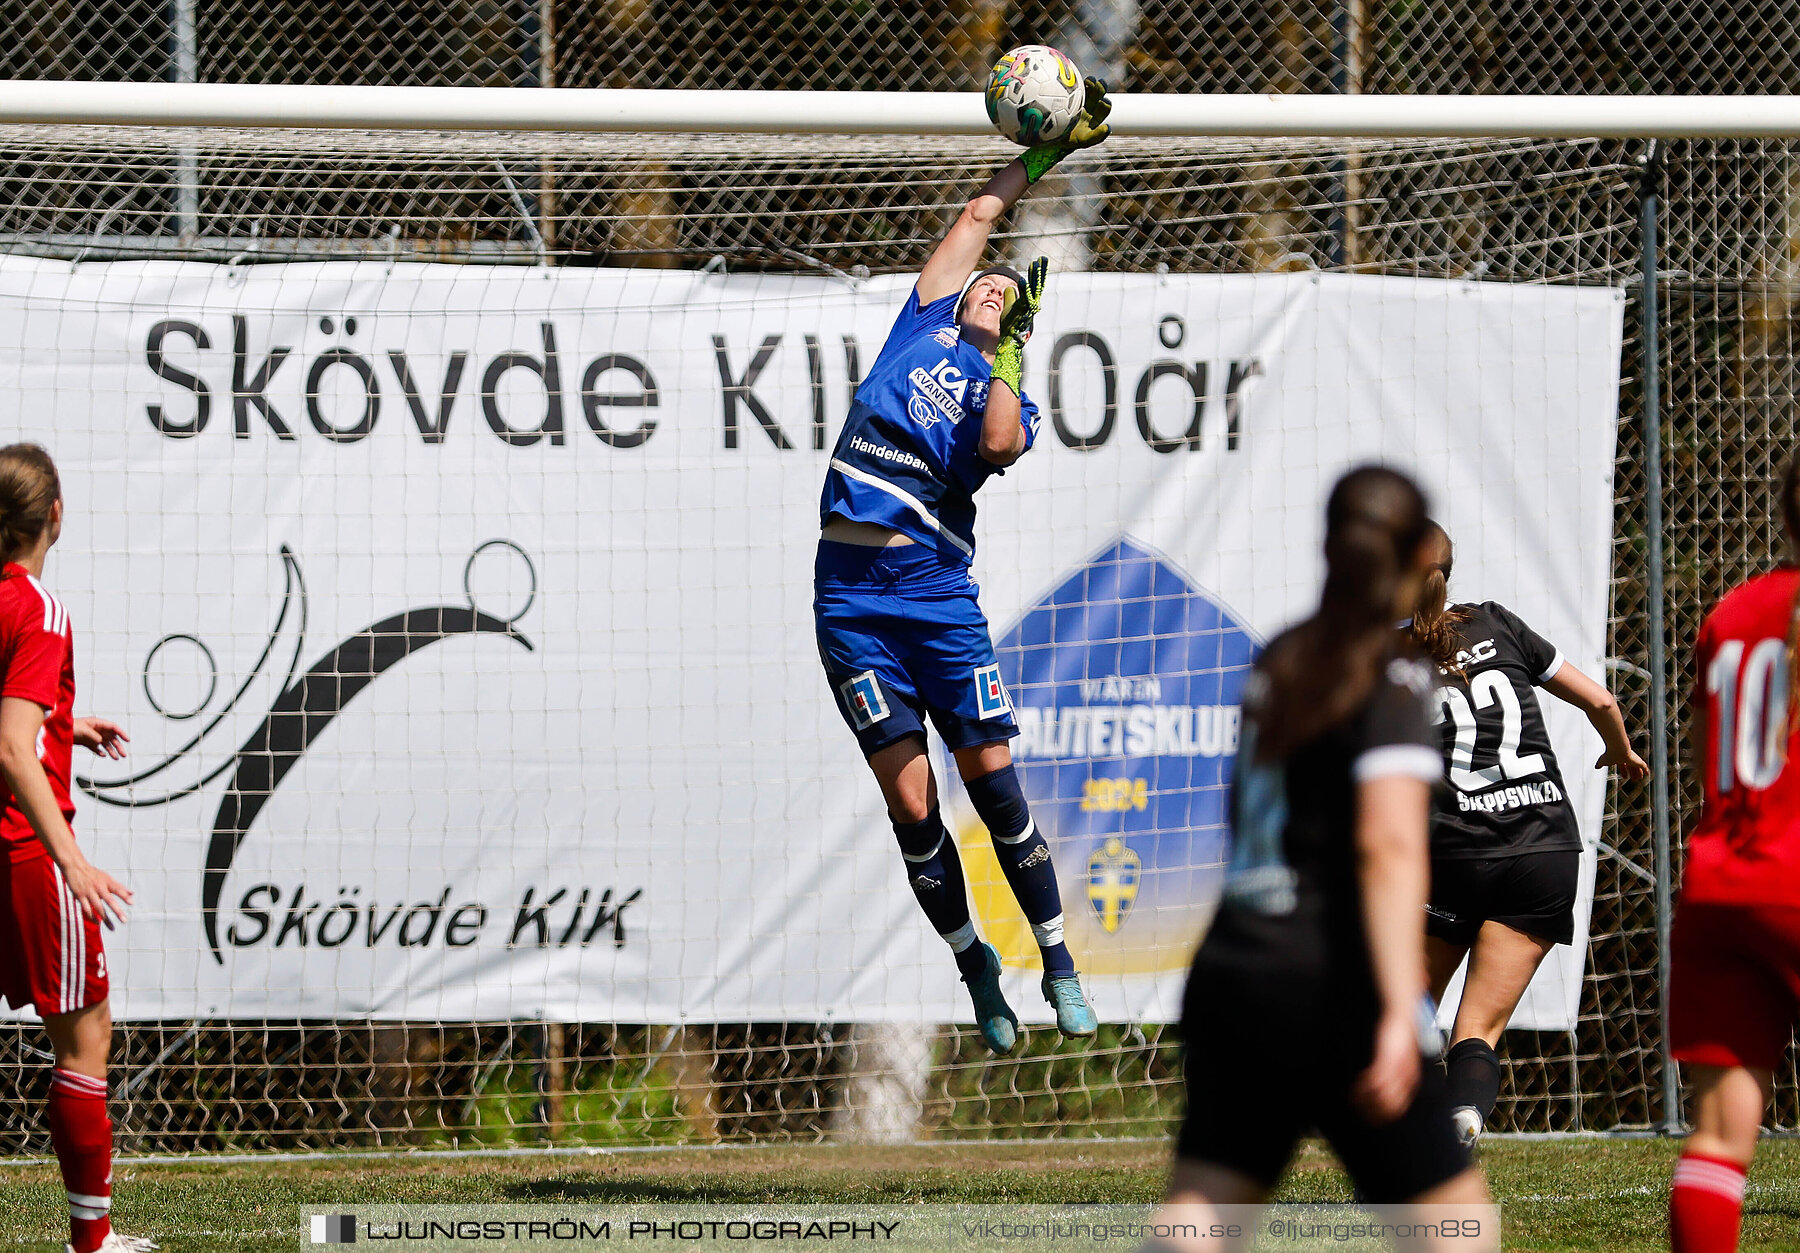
<point>903,641</point>
<point>960,252</point>
<point>985,316</point>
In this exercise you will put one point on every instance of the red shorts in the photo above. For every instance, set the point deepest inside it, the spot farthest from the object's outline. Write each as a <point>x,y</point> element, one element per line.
<point>1734,984</point>
<point>50,952</point>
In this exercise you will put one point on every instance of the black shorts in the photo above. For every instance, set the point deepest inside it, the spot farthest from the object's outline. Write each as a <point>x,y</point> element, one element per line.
<point>1264,1066</point>
<point>1532,892</point>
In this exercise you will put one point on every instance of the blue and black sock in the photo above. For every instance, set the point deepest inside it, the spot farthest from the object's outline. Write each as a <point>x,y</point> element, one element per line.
<point>934,871</point>
<point>1025,857</point>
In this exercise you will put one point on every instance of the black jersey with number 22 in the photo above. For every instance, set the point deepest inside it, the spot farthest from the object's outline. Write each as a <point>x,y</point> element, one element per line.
<point>1504,793</point>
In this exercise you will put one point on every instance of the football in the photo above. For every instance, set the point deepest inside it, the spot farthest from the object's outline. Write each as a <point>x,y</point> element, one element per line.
<point>1034,94</point>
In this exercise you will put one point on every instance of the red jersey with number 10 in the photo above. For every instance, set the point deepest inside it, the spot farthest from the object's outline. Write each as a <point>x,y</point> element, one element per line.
<point>37,662</point>
<point>1746,850</point>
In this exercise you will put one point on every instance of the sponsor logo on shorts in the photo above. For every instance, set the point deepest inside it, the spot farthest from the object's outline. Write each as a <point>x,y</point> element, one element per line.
<point>990,693</point>
<point>862,697</point>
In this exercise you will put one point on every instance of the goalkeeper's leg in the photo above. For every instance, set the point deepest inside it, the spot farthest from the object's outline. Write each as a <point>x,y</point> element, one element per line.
<point>880,705</point>
<point>1024,856</point>
<point>934,872</point>
<point>933,868</point>
<point>958,680</point>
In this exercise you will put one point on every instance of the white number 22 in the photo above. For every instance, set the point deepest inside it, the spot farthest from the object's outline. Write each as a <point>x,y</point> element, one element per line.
<point>1488,688</point>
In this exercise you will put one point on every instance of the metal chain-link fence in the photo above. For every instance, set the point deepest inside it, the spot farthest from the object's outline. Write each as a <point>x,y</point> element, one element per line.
<point>1540,211</point>
<point>1407,46</point>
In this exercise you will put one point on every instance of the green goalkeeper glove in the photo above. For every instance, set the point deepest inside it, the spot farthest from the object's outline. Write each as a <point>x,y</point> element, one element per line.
<point>1015,326</point>
<point>1089,129</point>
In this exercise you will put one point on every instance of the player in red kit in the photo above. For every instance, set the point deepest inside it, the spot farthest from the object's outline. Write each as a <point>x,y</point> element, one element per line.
<point>52,902</point>
<point>1735,951</point>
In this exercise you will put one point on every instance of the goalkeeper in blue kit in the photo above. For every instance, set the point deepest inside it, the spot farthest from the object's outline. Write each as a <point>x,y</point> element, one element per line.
<point>942,410</point>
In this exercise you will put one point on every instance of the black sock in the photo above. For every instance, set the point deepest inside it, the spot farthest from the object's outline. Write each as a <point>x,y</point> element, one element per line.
<point>1024,856</point>
<point>1474,1070</point>
<point>935,874</point>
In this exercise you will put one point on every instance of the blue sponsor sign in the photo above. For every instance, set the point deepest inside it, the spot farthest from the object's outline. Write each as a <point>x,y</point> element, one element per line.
<point>1126,680</point>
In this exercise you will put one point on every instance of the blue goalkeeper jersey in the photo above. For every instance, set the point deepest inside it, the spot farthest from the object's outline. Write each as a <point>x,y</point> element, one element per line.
<point>909,456</point>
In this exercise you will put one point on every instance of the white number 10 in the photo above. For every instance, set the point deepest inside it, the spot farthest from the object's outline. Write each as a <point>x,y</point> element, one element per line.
<point>1753,713</point>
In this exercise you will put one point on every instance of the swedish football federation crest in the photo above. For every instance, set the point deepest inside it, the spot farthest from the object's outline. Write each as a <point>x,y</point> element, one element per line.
<point>1113,881</point>
<point>1126,680</point>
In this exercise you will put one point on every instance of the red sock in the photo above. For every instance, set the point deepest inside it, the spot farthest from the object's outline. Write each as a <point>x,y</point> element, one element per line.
<point>82,1135</point>
<point>1705,1204</point>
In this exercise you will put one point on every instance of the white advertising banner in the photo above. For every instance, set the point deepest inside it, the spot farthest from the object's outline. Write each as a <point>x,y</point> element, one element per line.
<point>461,616</point>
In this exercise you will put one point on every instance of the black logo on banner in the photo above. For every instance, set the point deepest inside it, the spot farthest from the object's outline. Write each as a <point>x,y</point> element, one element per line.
<point>302,707</point>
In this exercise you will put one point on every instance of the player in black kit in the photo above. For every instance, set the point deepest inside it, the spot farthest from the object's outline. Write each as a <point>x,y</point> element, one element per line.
<point>1306,1004</point>
<point>1505,851</point>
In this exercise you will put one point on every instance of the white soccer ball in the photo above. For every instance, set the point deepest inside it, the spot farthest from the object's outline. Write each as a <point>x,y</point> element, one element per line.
<point>1034,95</point>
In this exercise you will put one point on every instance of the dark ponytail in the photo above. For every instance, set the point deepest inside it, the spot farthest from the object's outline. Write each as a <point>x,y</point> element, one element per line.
<point>1435,626</point>
<point>29,486</point>
<point>1318,673</point>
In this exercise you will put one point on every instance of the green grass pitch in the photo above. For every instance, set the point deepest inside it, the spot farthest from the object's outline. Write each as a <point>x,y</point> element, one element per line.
<point>1576,1195</point>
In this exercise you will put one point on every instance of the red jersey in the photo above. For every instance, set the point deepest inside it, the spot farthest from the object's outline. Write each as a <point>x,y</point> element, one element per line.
<point>37,662</point>
<point>1746,850</point>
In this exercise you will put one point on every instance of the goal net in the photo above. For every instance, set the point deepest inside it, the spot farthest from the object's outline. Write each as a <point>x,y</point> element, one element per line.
<point>441,517</point>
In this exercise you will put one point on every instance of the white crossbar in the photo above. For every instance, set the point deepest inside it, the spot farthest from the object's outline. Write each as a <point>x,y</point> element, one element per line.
<point>881,112</point>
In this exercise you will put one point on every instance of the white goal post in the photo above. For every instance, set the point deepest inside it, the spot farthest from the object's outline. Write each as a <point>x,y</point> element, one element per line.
<point>885,113</point>
<point>562,371</point>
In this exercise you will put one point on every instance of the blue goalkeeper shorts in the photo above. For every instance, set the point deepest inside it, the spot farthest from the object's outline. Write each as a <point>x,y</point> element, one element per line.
<point>902,639</point>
